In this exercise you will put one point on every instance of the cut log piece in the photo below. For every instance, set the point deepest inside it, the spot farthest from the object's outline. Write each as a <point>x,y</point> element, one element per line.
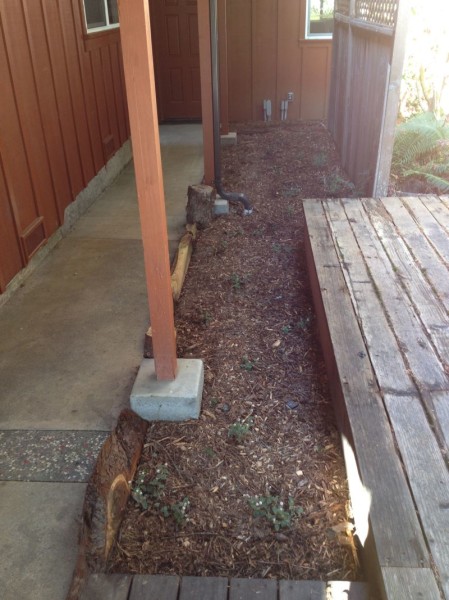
<point>106,496</point>
<point>200,205</point>
<point>182,261</point>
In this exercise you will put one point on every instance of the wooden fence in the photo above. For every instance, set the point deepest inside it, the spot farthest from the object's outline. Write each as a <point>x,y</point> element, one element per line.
<point>368,54</point>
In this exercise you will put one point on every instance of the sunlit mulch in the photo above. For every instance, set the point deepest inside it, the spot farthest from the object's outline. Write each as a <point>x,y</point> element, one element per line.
<point>267,428</point>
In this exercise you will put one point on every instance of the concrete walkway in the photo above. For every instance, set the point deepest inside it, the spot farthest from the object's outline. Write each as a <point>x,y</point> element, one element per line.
<point>70,345</point>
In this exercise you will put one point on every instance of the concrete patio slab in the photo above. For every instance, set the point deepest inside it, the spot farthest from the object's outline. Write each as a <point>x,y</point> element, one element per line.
<point>39,525</point>
<point>72,339</point>
<point>71,346</point>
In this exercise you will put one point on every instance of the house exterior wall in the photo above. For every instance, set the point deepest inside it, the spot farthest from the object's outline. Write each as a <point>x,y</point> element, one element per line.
<point>63,114</point>
<point>269,55</point>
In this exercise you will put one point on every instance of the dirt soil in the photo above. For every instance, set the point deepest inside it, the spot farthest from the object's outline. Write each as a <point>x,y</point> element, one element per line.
<point>211,490</point>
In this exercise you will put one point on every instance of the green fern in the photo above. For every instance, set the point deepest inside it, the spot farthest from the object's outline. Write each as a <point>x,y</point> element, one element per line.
<point>421,150</point>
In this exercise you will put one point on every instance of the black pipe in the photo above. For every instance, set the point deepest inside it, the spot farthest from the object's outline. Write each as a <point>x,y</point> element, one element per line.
<point>231,196</point>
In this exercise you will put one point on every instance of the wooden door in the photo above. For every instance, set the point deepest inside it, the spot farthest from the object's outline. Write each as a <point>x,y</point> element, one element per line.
<point>174,25</point>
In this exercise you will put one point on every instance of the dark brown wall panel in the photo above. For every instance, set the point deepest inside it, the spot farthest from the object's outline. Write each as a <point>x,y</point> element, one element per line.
<point>63,113</point>
<point>22,77</point>
<point>240,59</point>
<point>76,91</point>
<point>118,92</point>
<point>264,52</point>
<point>10,255</point>
<point>110,97</point>
<point>100,94</point>
<point>288,56</point>
<point>47,104</point>
<point>64,99</point>
<point>268,56</point>
<point>315,71</point>
<point>89,90</point>
<point>13,150</point>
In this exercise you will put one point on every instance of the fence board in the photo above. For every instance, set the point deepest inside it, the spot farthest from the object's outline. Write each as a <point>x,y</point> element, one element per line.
<point>363,111</point>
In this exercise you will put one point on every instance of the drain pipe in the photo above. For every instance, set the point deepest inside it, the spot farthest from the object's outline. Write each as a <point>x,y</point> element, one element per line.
<point>231,196</point>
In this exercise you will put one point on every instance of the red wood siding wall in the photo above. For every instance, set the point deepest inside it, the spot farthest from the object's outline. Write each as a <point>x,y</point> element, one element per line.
<point>63,114</point>
<point>268,56</point>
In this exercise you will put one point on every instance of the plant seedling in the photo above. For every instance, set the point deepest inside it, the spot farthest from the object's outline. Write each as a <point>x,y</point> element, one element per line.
<point>143,492</point>
<point>246,364</point>
<point>275,511</point>
<point>319,159</point>
<point>240,429</point>
<point>236,281</point>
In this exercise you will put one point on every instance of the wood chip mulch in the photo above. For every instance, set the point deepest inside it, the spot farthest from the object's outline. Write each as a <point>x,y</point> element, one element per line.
<point>267,431</point>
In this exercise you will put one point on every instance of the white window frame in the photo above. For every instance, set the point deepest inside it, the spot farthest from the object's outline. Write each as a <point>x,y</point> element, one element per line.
<point>107,27</point>
<point>314,36</point>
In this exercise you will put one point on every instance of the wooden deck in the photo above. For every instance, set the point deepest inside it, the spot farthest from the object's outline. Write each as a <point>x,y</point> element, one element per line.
<point>167,587</point>
<point>380,280</point>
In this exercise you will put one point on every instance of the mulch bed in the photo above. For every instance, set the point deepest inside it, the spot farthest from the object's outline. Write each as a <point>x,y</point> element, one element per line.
<point>267,433</point>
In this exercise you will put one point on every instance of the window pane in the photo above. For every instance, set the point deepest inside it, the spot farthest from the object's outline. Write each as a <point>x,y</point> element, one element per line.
<point>113,11</point>
<point>321,17</point>
<point>95,13</point>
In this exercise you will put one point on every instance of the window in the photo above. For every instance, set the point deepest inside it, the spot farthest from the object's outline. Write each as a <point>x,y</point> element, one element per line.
<point>100,15</point>
<point>320,18</point>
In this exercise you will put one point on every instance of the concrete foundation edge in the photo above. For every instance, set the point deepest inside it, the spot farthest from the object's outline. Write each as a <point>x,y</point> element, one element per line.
<point>229,139</point>
<point>72,213</point>
<point>177,400</point>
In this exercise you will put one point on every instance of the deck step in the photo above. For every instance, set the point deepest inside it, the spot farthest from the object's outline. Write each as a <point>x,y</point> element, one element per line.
<point>170,587</point>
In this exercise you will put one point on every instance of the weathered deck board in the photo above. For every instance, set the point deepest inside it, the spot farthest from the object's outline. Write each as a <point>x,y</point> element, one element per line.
<point>319,590</point>
<point>431,311</point>
<point>429,226</point>
<point>204,588</point>
<point>399,582</point>
<point>428,476</point>
<point>110,587</point>
<point>162,587</point>
<point>346,590</point>
<point>304,590</point>
<point>170,587</point>
<point>379,274</point>
<point>423,362</point>
<point>438,209</point>
<point>398,537</point>
<point>423,252</point>
<point>253,589</point>
<point>441,403</point>
<point>367,303</point>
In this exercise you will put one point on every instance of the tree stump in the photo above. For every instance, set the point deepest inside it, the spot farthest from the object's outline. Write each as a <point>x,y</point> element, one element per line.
<point>200,205</point>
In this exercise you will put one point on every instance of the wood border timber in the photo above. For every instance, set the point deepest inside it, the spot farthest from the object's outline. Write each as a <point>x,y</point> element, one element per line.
<point>140,88</point>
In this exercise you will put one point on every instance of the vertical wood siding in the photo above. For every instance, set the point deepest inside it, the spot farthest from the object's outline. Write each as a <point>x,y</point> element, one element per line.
<point>63,114</point>
<point>268,56</point>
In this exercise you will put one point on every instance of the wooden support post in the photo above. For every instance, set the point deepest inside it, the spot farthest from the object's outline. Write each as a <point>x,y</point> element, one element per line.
<point>140,88</point>
<point>206,90</point>
<point>223,53</point>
